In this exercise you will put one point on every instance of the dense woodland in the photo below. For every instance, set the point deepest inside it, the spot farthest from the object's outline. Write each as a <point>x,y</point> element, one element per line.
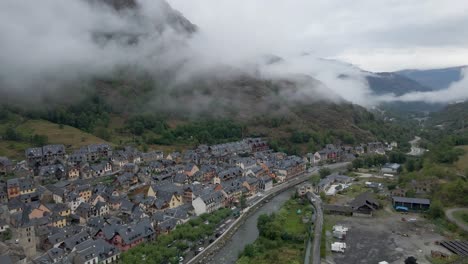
<point>95,115</point>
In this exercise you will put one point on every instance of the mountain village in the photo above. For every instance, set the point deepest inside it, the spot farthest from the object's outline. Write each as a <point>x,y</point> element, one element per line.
<point>90,205</point>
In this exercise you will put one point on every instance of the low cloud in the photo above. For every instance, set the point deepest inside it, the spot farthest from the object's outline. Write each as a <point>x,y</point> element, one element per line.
<point>50,45</point>
<point>50,41</point>
<point>456,92</point>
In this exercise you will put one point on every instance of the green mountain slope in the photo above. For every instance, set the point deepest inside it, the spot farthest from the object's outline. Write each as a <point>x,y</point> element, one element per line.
<point>453,117</point>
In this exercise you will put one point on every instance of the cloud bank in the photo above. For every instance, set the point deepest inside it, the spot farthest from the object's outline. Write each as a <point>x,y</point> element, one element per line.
<point>46,43</point>
<point>374,35</point>
<point>51,40</point>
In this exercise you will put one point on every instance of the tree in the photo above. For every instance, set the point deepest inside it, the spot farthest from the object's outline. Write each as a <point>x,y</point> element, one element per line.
<point>358,163</point>
<point>397,157</point>
<point>137,128</point>
<point>324,172</point>
<point>39,140</point>
<point>249,251</point>
<point>3,113</point>
<point>11,134</point>
<point>243,201</point>
<point>103,133</point>
<point>349,139</point>
<point>300,137</point>
<point>436,210</point>
<point>411,260</point>
<point>410,167</point>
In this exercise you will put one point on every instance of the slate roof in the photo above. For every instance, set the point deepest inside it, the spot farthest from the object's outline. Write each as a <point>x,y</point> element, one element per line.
<point>54,149</point>
<point>51,170</point>
<point>12,183</point>
<point>231,172</point>
<point>158,216</point>
<point>126,205</point>
<point>212,197</point>
<point>125,178</point>
<point>153,155</point>
<point>94,148</point>
<point>33,152</point>
<point>130,232</point>
<point>337,208</point>
<point>180,212</point>
<point>5,161</point>
<point>180,178</point>
<point>165,192</point>
<point>411,200</point>
<point>232,186</point>
<point>83,209</point>
<point>99,205</point>
<point>53,256</point>
<point>76,239</point>
<point>290,162</point>
<point>95,248</point>
<point>366,198</point>
<point>96,222</point>
<point>167,224</point>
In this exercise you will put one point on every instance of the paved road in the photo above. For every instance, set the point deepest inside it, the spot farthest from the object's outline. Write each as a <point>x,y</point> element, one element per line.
<point>451,217</point>
<point>318,226</point>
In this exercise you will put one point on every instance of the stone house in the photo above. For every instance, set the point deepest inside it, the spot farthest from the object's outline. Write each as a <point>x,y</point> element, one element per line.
<point>45,155</point>
<point>208,202</point>
<point>6,165</point>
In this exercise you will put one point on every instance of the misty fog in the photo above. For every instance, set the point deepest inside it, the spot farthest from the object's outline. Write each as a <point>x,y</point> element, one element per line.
<point>48,44</point>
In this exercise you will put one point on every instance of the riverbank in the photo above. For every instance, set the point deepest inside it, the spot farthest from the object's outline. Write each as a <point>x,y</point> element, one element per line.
<point>282,235</point>
<point>220,253</point>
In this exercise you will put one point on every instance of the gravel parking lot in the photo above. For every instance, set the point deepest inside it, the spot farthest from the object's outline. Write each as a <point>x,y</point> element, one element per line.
<point>387,238</point>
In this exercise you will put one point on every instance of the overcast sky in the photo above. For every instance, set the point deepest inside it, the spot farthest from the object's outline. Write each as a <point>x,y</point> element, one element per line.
<point>374,35</point>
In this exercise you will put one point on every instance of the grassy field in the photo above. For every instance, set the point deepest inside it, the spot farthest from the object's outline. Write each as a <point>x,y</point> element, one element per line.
<point>69,136</point>
<point>13,149</point>
<point>293,220</point>
<point>120,137</point>
<point>280,251</point>
<point>279,255</point>
<point>462,163</point>
<point>461,215</point>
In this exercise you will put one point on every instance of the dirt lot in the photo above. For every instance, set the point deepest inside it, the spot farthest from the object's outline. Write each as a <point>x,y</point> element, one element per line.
<point>383,238</point>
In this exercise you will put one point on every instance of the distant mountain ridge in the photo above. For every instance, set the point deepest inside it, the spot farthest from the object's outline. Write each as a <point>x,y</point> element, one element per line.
<point>389,82</point>
<point>436,79</point>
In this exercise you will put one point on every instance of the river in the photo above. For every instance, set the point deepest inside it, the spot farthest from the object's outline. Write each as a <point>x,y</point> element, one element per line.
<point>248,232</point>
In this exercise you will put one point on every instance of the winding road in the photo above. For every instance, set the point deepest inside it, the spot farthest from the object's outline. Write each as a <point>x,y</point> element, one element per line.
<point>449,213</point>
<point>415,149</point>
